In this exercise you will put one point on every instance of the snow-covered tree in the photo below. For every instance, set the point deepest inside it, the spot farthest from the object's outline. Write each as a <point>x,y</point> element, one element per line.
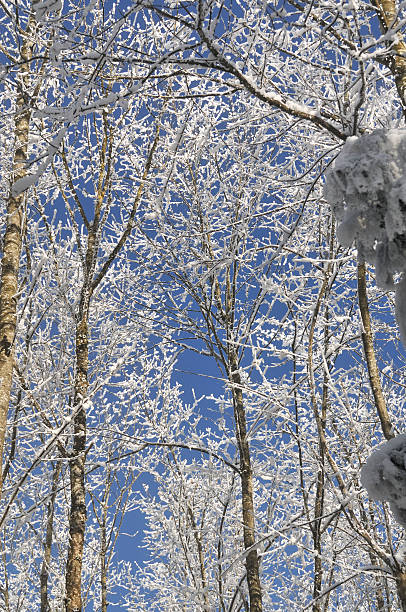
<point>177,312</point>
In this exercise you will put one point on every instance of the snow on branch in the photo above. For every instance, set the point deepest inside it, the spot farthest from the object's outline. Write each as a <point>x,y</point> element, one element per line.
<point>384,476</point>
<point>366,189</point>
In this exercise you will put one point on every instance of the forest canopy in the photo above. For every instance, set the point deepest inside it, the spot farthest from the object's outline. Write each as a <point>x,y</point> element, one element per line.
<point>201,305</point>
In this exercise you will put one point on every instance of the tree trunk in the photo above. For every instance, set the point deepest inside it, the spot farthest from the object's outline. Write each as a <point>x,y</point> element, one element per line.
<point>248,511</point>
<point>367,340</point>
<point>401,589</point>
<point>12,241</point>
<point>77,521</point>
<point>388,14</point>
<point>197,537</point>
<point>48,542</point>
<point>103,568</point>
<point>319,501</point>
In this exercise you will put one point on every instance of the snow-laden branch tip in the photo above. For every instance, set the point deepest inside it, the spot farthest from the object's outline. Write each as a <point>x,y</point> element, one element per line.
<point>384,476</point>
<point>366,189</point>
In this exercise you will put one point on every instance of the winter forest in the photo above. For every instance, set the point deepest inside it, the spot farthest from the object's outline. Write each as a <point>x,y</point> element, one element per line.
<point>202,305</point>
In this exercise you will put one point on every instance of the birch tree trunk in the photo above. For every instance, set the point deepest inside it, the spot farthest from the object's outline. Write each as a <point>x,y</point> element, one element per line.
<point>77,519</point>
<point>247,489</point>
<point>387,11</point>
<point>48,541</point>
<point>12,241</point>
<point>91,279</point>
<point>401,589</point>
<point>368,343</point>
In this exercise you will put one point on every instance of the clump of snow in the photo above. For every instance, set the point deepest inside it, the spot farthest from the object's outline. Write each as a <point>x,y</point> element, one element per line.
<point>41,7</point>
<point>22,184</point>
<point>400,554</point>
<point>384,476</point>
<point>366,189</point>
